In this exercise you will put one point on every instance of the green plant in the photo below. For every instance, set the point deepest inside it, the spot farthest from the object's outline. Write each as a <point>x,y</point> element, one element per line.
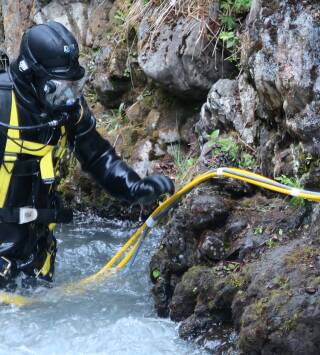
<point>127,72</point>
<point>120,17</point>
<point>229,38</point>
<point>91,95</point>
<point>292,182</point>
<point>226,146</point>
<point>271,243</point>
<point>231,267</point>
<point>156,274</point>
<point>183,164</point>
<point>114,119</point>
<point>111,121</point>
<point>230,15</point>
<point>146,92</point>
<point>258,230</point>
<point>247,161</point>
<point>289,181</point>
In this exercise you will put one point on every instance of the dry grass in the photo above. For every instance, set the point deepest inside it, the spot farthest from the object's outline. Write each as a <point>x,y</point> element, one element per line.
<point>159,12</point>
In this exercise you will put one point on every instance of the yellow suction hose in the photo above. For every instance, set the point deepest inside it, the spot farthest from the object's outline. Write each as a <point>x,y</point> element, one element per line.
<point>124,255</point>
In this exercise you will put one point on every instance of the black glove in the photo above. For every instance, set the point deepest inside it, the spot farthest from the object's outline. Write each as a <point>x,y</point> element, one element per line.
<point>151,188</point>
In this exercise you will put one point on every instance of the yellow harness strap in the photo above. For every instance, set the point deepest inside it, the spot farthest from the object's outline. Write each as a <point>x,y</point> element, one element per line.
<point>15,145</point>
<point>9,157</point>
<point>46,267</point>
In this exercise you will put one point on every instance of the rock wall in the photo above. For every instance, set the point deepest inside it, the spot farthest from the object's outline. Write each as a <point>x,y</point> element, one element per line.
<point>250,262</point>
<point>274,104</point>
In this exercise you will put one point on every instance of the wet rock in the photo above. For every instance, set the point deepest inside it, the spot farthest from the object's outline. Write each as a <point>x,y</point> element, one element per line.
<point>211,246</point>
<point>175,57</point>
<point>178,251</point>
<point>207,211</point>
<point>140,158</point>
<point>274,297</point>
<point>249,243</point>
<point>194,326</point>
<point>213,307</point>
<point>153,118</point>
<point>231,104</point>
<point>235,227</point>
<point>162,292</point>
<point>185,294</point>
<point>235,188</point>
<point>136,112</point>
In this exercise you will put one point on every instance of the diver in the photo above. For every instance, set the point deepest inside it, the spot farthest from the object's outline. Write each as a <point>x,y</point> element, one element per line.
<point>42,113</point>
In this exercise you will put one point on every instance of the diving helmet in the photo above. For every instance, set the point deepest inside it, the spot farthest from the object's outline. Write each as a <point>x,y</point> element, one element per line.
<point>49,61</point>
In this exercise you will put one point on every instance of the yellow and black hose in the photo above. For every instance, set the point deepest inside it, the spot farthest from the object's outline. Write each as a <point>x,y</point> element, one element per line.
<point>129,250</point>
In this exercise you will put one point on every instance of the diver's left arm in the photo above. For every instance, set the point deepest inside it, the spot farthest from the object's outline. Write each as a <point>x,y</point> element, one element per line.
<point>99,159</point>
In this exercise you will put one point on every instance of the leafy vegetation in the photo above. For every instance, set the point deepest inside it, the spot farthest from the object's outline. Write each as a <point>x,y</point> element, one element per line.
<point>183,164</point>
<point>233,151</point>
<point>258,230</point>
<point>224,145</point>
<point>231,13</point>
<point>247,161</point>
<point>115,119</point>
<point>292,182</point>
<point>120,16</point>
<point>271,243</point>
<point>156,274</point>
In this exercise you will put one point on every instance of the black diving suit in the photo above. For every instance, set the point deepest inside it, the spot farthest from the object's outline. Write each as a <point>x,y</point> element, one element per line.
<point>28,245</point>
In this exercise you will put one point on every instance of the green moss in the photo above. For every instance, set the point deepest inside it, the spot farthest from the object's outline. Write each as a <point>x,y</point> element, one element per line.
<point>260,307</point>
<point>290,323</point>
<point>238,280</point>
<point>301,256</point>
<point>230,150</point>
<point>281,281</point>
<point>307,162</point>
<point>154,98</point>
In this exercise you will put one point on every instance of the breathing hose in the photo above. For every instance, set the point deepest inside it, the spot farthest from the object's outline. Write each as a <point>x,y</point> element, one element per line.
<point>128,252</point>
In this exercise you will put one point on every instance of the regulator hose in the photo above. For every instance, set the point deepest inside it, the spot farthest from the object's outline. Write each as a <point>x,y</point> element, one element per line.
<point>130,249</point>
<point>50,124</point>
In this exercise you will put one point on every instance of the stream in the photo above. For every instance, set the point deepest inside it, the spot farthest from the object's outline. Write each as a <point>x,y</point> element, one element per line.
<point>115,318</point>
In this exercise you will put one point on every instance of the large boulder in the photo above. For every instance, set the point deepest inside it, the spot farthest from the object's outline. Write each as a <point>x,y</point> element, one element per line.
<point>282,52</point>
<point>230,104</point>
<point>281,313</point>
<point>86,20</point>
<point>176,56</point>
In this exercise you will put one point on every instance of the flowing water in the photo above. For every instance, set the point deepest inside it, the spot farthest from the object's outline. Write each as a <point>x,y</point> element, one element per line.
<point>115,318</point>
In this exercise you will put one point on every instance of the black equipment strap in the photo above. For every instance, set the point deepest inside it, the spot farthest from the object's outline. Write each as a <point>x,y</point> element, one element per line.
<point>26,167</point>
<point>6,88</point>
<point>45,216</point>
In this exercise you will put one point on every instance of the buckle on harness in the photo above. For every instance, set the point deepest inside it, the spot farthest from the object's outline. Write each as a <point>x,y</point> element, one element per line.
<point>5,269</point>
<point>27,214</point>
